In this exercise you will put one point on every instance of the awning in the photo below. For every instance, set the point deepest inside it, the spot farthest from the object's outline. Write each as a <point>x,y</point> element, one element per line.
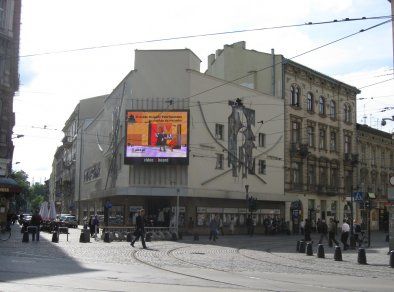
<point>9,186</point>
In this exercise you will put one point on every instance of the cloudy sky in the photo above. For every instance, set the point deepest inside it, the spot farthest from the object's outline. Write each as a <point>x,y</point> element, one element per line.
<point>53,80</point>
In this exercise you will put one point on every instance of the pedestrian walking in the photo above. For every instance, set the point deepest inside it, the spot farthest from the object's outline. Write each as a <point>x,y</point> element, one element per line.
<point>307,230</point>
<point>213,228</point>
<point>345,234</point>
<point>249,225</point>
<point>221,226</point>
<point>36,221</point>
<point>331,233</point>
<point>95,225</point>
<point>323,230</point>
<point>232,225</point>
<point>140,229</point>
<point>302,227</point>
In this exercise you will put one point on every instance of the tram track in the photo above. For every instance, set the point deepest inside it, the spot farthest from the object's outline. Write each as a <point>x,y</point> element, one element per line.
<point>232,285</point>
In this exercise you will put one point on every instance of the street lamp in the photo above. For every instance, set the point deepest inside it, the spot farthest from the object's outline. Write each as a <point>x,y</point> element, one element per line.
<point>383,123</point>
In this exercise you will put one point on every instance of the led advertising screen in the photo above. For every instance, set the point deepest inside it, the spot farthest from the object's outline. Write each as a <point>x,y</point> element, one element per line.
<point>157,137</point>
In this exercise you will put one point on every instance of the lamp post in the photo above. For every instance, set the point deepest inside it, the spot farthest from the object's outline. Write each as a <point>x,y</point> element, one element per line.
<point>247,196</point>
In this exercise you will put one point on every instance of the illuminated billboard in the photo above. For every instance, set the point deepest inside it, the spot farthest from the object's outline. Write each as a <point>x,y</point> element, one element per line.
<point>157,137</point>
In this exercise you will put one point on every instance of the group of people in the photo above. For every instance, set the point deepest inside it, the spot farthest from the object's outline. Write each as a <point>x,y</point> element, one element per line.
<point>328,231</point>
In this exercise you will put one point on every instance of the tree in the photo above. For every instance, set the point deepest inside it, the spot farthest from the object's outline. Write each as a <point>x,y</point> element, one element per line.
<point>21,200</point>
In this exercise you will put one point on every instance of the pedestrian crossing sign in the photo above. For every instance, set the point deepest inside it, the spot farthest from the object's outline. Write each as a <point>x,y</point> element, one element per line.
<point>358,196</point>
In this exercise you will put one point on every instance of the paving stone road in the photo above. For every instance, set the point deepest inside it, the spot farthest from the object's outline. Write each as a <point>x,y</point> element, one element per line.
<point>262,263</point>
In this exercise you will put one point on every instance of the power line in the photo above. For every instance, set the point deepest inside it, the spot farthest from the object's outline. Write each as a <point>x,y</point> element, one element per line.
<point>296,56</point>
<point>377,83</point>
<point>207,35</point>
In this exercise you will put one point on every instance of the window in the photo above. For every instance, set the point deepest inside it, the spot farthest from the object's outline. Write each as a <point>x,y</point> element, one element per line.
<point>333,141</point>
<point>219,131</point>
<point>334,179</point>
<point>333,109</point>
<point>262,167</point>
<point>309,102</point>
<point>295,95</point>
<point>322,139</point>
<point>363,152</point>
<point>347,113</point>
<point>311,175</point>
<point>348,144</point>
<point>323,176</point>
<point>311,136</point>
<point>373,156</point>
<point>261,140</point>
<point>322,105</point>
<point>219,161</point>
<point>382,158</point>
<point>295,132</point>
<point>296,175</point>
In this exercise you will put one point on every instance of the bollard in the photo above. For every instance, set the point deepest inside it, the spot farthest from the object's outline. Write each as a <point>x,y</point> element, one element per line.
<point>55,237</point>
<point>338,253</point>
<point>309,249</point>
<point>173,236</point>
<point>106,237</point>
<point>392,258</point>
<point>148,237</point>
<point>298,246</point>
<point>302,246</point>
<point>25,237</point>
<point>129,237</point>
<point>320,251</point>
<point>180,235</point>
<point>196,237</point>
<point>362,257</point>
<point>82,237</point>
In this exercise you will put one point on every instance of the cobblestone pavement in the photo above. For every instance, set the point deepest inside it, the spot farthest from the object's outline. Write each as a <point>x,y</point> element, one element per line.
<point>263,263</point>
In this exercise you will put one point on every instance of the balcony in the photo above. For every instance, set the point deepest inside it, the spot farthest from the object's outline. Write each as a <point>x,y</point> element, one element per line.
<point>67,141</point>
<point>299,150</point>
<point>321,189</point>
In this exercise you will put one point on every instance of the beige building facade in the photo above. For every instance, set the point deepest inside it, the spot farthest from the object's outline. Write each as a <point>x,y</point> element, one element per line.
<point>319,118</point>
<point>376,166</point>
<point>216,180</point>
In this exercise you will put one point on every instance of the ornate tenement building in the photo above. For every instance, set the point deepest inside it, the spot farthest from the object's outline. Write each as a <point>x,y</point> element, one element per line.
<point>319,127</point>
<point>376,166</point>
<point>10,13</point>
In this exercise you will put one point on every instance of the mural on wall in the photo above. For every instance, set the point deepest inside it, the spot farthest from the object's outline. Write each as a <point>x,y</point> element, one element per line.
<point>240,122</point>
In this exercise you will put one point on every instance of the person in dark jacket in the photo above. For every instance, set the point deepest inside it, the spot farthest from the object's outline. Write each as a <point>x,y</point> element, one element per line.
<point>307,230</point>
<point>36,221</point>
<point>140,229</point>
<point>323,230</point>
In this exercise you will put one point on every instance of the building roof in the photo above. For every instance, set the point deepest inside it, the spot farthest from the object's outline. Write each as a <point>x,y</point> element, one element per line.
<point>370,130</point>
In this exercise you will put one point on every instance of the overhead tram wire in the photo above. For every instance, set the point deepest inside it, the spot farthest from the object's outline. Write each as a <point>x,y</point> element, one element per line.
<point>206,35</point>
<point>296,56</point>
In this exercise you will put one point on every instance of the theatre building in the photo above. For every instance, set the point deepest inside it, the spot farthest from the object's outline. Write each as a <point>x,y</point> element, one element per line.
<point>170,133</point>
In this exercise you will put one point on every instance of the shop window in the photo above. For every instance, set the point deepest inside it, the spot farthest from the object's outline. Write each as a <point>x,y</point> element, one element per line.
<point>116,215</point>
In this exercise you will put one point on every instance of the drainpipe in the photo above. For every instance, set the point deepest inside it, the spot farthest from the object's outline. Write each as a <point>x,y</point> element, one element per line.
<point>273,72</point>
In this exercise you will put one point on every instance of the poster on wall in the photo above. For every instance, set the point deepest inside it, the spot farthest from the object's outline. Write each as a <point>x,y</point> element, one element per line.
<point>157,137</point>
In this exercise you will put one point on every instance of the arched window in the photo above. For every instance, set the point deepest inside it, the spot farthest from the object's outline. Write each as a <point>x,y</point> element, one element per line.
<point>322,105</point>
<point>295,95</point>
<point>309,102</point>
<point>347,113</point>
<point>333,109</point>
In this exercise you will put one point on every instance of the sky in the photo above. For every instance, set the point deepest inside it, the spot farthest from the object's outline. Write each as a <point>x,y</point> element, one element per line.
<point>53,81</point>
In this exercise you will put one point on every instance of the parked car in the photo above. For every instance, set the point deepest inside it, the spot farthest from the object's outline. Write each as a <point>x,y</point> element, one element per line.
<point>69,221</point>
<point>26,218</point>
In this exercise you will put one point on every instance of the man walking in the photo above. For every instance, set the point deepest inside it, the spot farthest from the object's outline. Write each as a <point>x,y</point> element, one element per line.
<point>323,230</point>
<point>345,234</point>
<point>140,229</point>
<point>331,233</point>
